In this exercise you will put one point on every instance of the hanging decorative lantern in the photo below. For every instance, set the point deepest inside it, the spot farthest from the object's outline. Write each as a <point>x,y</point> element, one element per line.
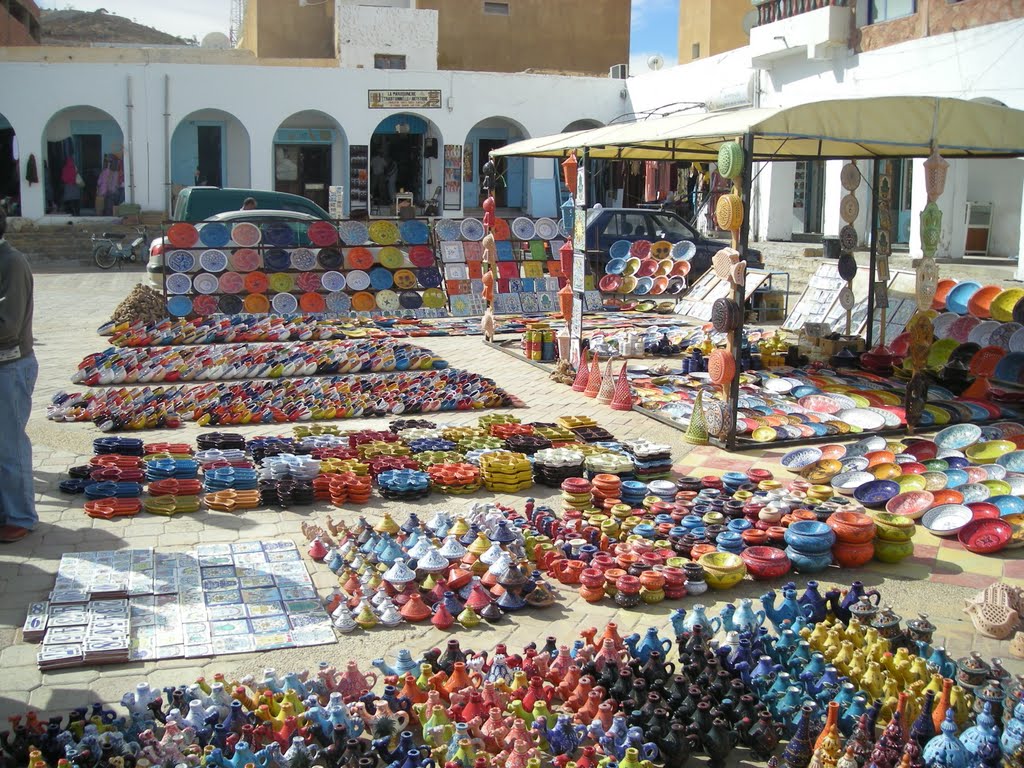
<point>568,210</point>
<point>565,254</point>
<point>931,229</point>
<point>569,168</point>
<point>730,160</point>
<point>927,282</point>
<point>935,168</point>
<point>565,303</point>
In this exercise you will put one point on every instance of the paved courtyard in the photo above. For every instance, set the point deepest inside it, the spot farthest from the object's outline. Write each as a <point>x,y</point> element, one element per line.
<point>70,306</point>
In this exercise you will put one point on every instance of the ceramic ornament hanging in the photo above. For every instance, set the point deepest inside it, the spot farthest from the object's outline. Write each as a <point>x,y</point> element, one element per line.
<point>849,209</point>
<point>927,282</point>
<point>935,169</point>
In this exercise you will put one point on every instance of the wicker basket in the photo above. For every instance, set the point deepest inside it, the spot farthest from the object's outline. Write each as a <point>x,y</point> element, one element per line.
<point>730,160</point>
<point>729,211</point>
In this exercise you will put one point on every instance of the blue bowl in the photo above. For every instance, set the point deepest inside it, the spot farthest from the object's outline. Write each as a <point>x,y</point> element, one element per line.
<point>811,537</point>
<point>876,493</point>
<point>809,562</point>
<point>1008,505</point>
<point>956,299</point>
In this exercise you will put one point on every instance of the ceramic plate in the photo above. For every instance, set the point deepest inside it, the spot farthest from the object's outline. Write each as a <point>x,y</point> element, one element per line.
<point>546,229</point>
<point>279,234</point>
<point>213,261</point>
<point>284,303</point>
<point>863,418</point>
<point>973,492</point>
<point>246,234</point>
<point>245,260</point>
<point>179,306</point>
<point>322,234</point>
<point>982,333</point>
<point>848,482</point>
<point>181,261</point>
<point>338,302</point>
<point>204,282</point>
<point>182,235</point>
<point>358,280</point>
<point>854,464</point>
<point>684,250</point>
<point>178,283</point>
<point>947,519</point>
<point>524,228</point>
<point>800,458</point>
<point>414,231</point>
<point>333,281</point>
<point>446,229</point>
<point>304,259</point>
<point>472,229</point>
<point>388,300</point>
<point>911,504</point>
<point>381,279</point>
<point>958,437</point>
<point>391,257</point>
<point>942,324</point>
<point>214,235</point>
<point>383,232</point>
<point>433,298</point>
<point>615,267</point>
<point>231,282</point>
<point>958,298</point>
<point>353,232</point>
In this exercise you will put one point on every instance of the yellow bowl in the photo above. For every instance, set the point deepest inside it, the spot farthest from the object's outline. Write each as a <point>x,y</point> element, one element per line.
<point>911,483</point>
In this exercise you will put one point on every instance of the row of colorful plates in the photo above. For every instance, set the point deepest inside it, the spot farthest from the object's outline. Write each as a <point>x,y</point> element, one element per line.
<point>245,234</point>
<point>684,250</point>
<point>647,267</point>
<point>984,302</point>
<point>258,282</point>
<point>304,259</point>
<point>309,302</point>
<point>641,286</point>
<point>522,227</point>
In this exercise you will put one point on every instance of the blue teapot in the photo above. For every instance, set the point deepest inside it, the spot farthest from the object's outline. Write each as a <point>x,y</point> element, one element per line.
<point>787,611</point>
<point>698,615</point>
<point>564,738</point>
<point>242,756</point>
<point>641,649</point>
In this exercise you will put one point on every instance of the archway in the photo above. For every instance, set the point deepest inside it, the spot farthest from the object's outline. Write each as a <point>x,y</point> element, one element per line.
<point>309,153</point>
<point>10,170</point>
<point>84,144</point>
<point>487,136</point>
<point>584,124</point>
<point>404,158</point>
<point>209,147</point>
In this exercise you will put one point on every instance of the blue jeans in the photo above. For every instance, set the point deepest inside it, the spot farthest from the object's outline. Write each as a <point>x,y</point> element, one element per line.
<point>17,493</point>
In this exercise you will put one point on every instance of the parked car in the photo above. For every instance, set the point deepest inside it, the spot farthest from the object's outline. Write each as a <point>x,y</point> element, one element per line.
<point>200,203</point>
<point>156,269</point>
<point>606,225</point>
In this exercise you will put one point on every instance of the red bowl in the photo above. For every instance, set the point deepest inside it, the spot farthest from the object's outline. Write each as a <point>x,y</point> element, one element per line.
<point>853,555</point>
<point>984,511</point>
<point>922,450</point>
<point>985,536</point>
<point>765,562</point>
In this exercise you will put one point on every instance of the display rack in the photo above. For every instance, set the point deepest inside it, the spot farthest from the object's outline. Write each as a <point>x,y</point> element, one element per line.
<point>324,267</point>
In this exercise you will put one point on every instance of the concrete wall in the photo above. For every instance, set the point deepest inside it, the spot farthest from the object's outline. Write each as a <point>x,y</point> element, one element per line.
<point>19,23</point>
<point>933,17</point>
<point>341,94</point>
<point>566,35</point>
<point>716,26</point>
<point>364,32</point>
<point>283,28</point>
<point>999,182</point>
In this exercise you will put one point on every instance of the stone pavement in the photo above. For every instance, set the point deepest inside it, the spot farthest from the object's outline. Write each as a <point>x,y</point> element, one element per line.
<point>69,307</point>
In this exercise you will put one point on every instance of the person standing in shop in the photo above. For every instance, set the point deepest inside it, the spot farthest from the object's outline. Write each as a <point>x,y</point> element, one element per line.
<point>18,371</point>
<point>70,178</point>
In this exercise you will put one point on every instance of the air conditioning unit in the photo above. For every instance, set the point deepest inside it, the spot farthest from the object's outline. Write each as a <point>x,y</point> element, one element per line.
<point>619,72</point>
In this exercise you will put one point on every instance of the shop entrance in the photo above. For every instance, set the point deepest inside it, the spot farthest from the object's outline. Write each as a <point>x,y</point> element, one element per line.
<point>808,198</point>
<point>88,143</point>
<point>210,144</point>
<point>396,165</point>
<point>303,169</point>
<point>10,173</point>
<point>510,182</point>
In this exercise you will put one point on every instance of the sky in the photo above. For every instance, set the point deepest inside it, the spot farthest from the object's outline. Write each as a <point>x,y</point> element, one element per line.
<point>653,29</point>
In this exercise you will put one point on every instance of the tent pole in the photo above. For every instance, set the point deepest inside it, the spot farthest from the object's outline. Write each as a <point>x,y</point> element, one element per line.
<point>739,291</point>
<point>876,173</point>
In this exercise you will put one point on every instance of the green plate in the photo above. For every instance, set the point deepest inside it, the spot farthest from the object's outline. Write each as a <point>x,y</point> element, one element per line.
<point>940,351</point>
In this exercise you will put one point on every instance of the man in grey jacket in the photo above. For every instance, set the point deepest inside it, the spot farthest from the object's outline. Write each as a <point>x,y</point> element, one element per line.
<point>18,371</point>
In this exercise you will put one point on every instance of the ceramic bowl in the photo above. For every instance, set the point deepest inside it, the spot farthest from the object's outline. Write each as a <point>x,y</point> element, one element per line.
<point>985,536</point>
<point>910,504</point>
<point>958,437</point>
<point>809,562</point>
<point>958,298</point>
<point>947,519</point>
<point>765,562</point>
<point>893,551</point>
<point>911,483</point>
<point>876,493</point>
<point>722,569</point>
<point>847,482</point>
<point>989,451</point>
<point>1008,505</point>
<point>810,536</point>
<point>801,457</point>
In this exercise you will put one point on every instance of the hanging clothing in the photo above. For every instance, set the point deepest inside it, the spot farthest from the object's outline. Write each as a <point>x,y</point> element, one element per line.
<point>650,180</point>
<point>31,172</point>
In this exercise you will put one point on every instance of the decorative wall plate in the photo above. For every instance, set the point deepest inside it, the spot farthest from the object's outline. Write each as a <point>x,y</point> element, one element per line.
<point>546,229</point>
<point>244,260</point>
<point>204,282</point>
<point>421,256</point>
<point>429,277</point>
<point>322,234</point>
<point>246,234</point>
<point>850,177</point>
<point>410,300</point>
<point>353,232</point>
<point>358,280</point>
<point>182,235</point>
<point>846,298</point>
<point>231,282</point>
<point>213,261</point>
<point>304,259</point>
<point>387,300</point>
<point>179,306</point>
<point>433,298</point>
<point>524,228</point>
<point>413,231</point>
<point>684,250</point>
<point>214,234</point>
<point>849,208</point>
<point>338,301</point>
<point>178,283</point>
<point>383,232</point>
<point>847,237</point>
<point>284,303</point>
<point>447,229</point>
<point>279,234</point>
<point>256,304</point>
<point>472,229</point>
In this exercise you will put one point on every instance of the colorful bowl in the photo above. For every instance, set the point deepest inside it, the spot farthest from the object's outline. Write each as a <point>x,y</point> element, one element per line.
<point>981,300</point>
<point>910,504</point>
<point>958,298</point>
<point>947,519</point>
<point>985,536</point>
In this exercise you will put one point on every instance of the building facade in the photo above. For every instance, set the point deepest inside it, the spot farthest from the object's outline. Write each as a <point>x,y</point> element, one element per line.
<point>810,50</point>
<point>19,22</point>
<point>570,36</point>
<point>710,27</point>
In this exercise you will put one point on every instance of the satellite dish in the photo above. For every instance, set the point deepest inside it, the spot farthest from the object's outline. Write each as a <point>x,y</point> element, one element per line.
<point>749,21</point>
<point>218,41</point>
<point>655,62</point>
